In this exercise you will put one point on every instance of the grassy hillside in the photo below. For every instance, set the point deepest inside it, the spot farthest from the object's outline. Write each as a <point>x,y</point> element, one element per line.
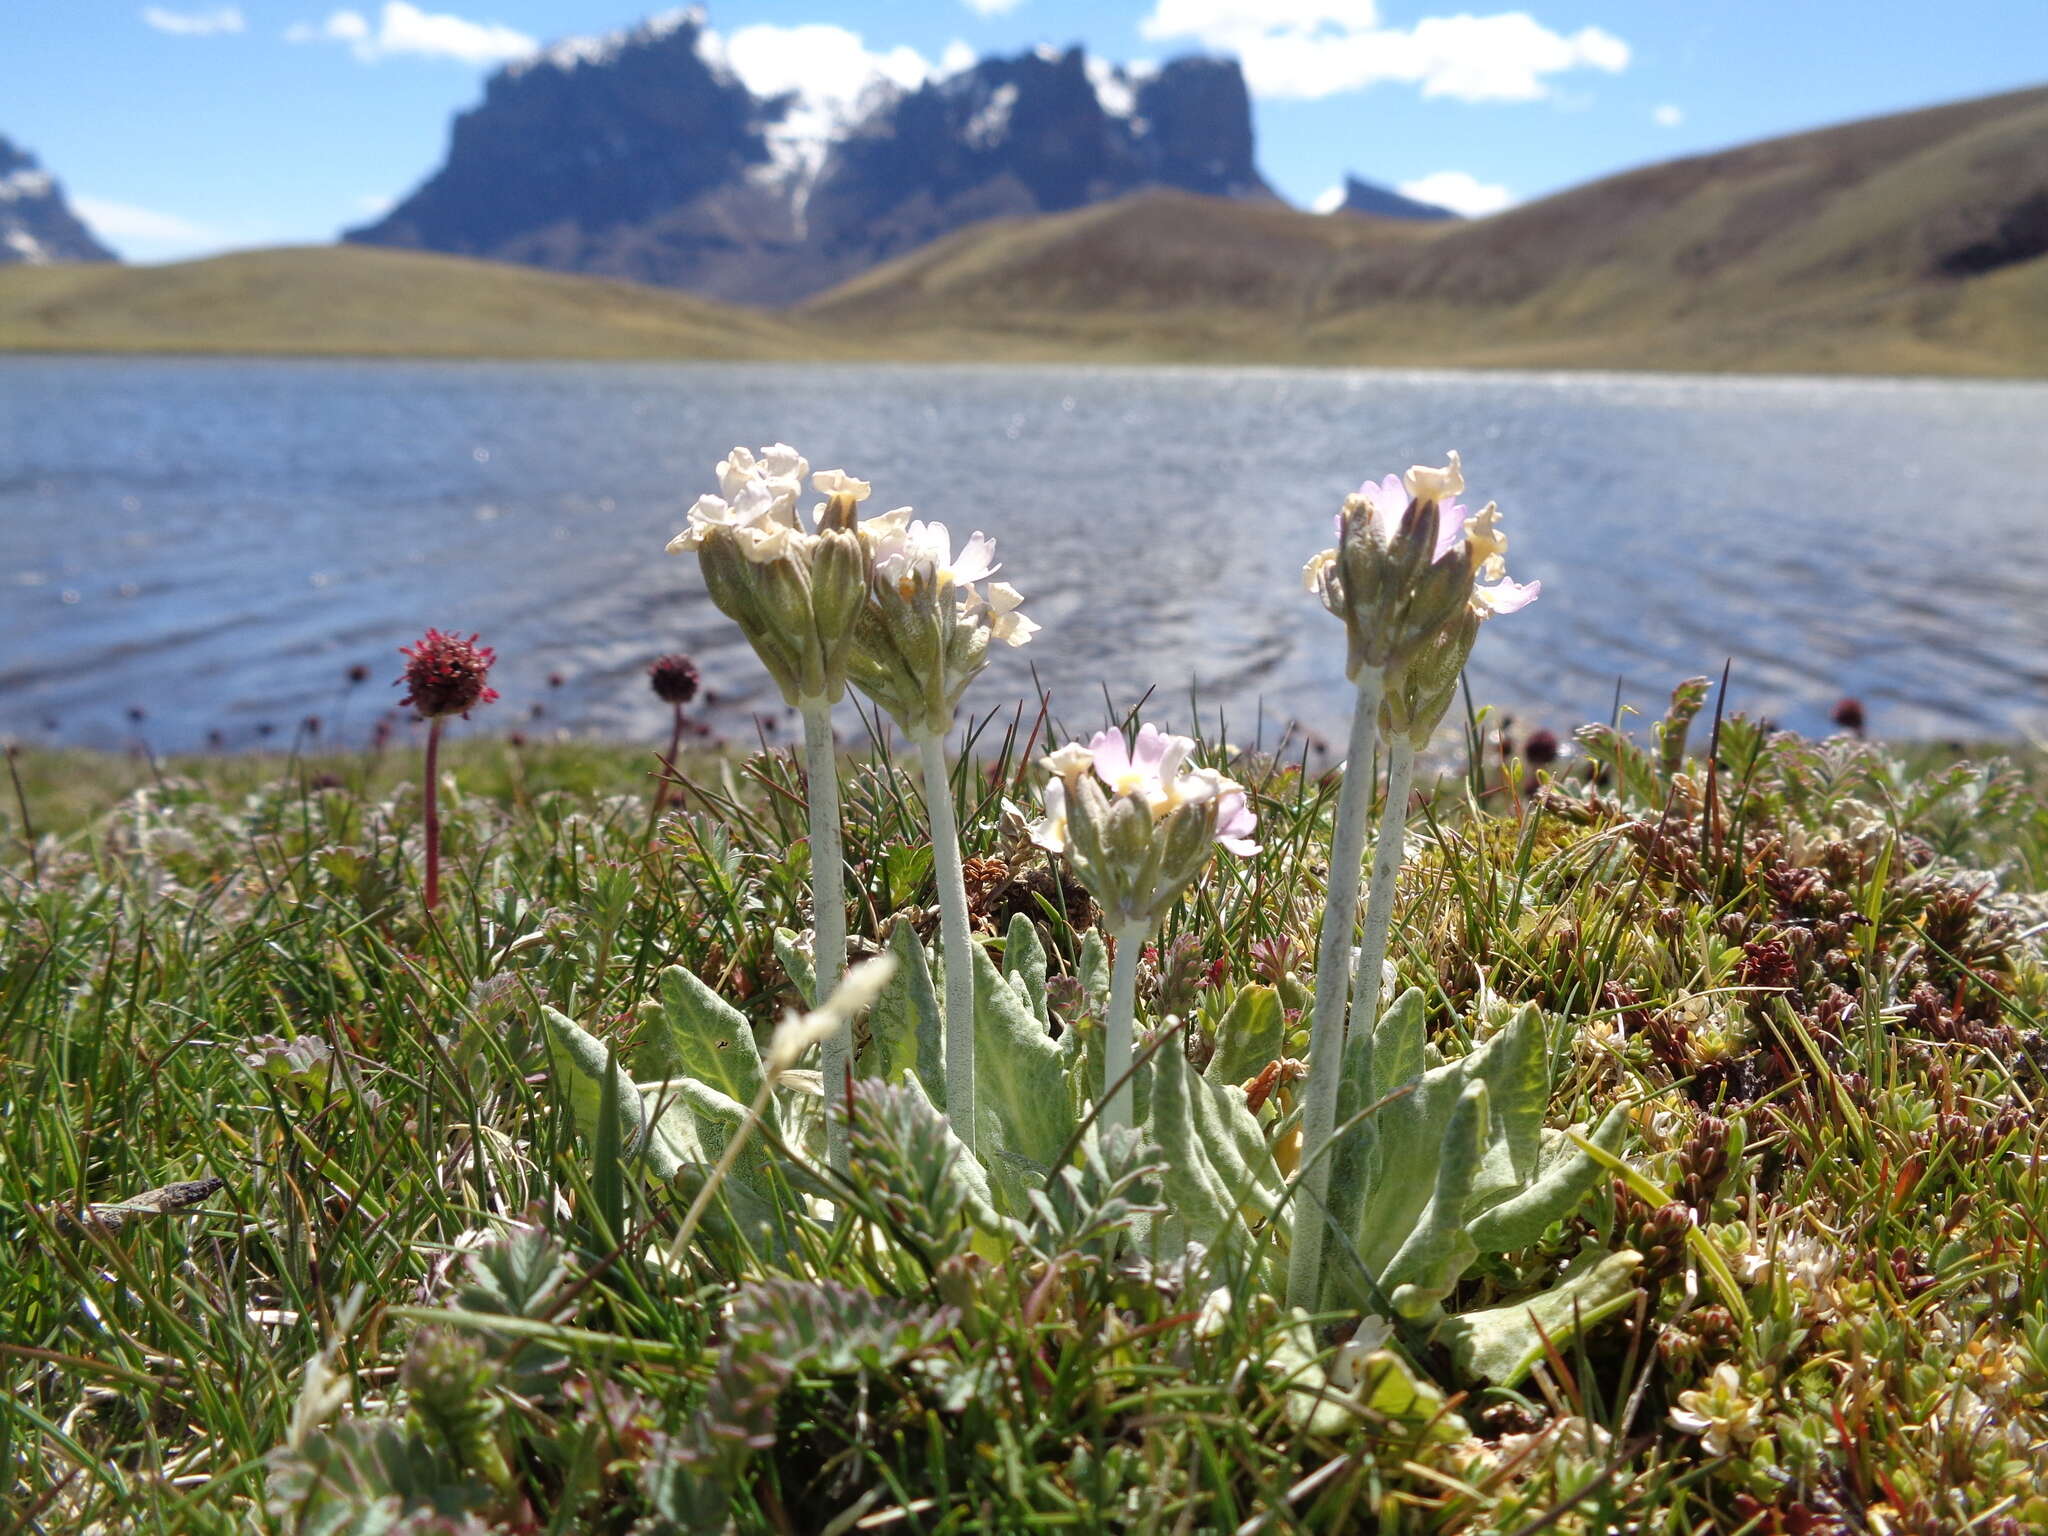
<point>353,300</point>
<point>1916,243</point>
<point>1911,243</point>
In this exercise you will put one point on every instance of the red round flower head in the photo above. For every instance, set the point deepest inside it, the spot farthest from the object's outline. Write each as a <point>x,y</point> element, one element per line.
<point>673,678</point>
<point>444,675</point>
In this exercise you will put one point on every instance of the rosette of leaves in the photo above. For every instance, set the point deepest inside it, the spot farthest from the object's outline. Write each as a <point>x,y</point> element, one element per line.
<point>1443,1163</point>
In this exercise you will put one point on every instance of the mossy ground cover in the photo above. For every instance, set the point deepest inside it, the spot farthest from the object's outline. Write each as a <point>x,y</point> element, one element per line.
<point>419,1298</point>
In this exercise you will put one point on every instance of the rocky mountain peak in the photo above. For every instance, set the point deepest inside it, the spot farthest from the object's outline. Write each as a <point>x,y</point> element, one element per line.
<point>1375,201</point>
<point>37,227</point>
<point>645,155</point>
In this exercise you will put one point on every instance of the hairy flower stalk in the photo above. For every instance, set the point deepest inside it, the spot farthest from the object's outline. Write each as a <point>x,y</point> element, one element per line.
<point>1403,570</point>
<point>1415,705</point>
<point>1137,825</point>
<point>797,596</point>
<point>444,675</point>
<point>922,637</point>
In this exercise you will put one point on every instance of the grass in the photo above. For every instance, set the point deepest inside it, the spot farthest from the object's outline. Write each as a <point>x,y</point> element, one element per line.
<point>420,1299</point>
<point>350,301</point>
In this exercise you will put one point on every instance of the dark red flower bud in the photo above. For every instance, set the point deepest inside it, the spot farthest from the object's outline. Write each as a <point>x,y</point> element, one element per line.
<point>1540,750</point>
<point>673,678</point>
<point>1849,715</point>
<point>358,674</point>
<point>444,675</point>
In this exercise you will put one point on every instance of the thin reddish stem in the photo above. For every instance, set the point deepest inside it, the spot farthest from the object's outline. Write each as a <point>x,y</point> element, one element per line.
<point>433,813</point>
<point>668,768</point>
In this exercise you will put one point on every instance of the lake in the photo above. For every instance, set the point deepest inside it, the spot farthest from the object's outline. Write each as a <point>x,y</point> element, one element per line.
<point>215,543</point>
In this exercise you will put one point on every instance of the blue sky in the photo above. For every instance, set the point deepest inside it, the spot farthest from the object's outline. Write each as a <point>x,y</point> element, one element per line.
<point>188,126</point>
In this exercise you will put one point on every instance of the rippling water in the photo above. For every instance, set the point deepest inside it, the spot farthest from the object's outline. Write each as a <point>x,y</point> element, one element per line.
<point>217,542</point>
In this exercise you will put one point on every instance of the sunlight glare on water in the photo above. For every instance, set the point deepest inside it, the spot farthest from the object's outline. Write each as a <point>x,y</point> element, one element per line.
<point>218,542</point>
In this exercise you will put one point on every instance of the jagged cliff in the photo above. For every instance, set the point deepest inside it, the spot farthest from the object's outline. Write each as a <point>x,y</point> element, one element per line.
<point>37,227</point>
<point>644,156</point>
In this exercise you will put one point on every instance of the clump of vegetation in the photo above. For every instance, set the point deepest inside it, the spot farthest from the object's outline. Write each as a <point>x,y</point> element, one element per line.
<point>1680,1186</point>
<point>425,1296</point>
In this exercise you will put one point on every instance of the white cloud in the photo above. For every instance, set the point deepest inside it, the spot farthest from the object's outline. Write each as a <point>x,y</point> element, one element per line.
<point>375,204</point>
<point>1329,201</point>
<point>1309,49</point>
<point>405,29</point>
<point>819,60</point>
<point>143,233</point>
<point>958,56</point>
<point>1668,116</point>
<point>991,7</point>
<point>1459,191</point>
<point>222,18</point>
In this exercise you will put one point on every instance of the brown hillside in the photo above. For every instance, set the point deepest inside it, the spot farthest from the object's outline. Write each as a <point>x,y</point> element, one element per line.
<point>1917,243</point>
<point>357,301</point>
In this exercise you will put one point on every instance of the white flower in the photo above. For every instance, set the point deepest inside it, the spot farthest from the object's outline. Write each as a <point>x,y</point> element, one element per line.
<point>1426,484</point>
<point>757,502</point>
<point>837,482</point>
<point>1051,833</point>
<point>1722,1414</point>
<point>1069,760</point>
<point>1004,622</point>
<point>903,552</point>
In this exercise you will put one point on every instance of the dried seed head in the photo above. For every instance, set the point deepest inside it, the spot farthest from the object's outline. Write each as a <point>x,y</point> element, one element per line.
<point>444,675</point>
<point>673,678</point>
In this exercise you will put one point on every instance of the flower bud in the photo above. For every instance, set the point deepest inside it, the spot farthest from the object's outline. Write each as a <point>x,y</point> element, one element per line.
<point>444,675</point>
<point>673,679</point>
<point>1418,698</point>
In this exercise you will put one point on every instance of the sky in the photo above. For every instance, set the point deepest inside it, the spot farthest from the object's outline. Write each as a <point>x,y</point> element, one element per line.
<point>187,127</point>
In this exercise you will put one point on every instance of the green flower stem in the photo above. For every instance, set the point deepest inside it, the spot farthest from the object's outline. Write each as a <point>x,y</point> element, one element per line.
<point>1123,1019</point>
<point>1333,971</point>
<point>953,934</point>
<point>1386,873</point>
<point>828,912</point>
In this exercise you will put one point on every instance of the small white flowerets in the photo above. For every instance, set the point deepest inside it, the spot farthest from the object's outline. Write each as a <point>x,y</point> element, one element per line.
<point>756,501</point>
<point>796,593</point>
<point>925,633</point>
<point>1136,822</point>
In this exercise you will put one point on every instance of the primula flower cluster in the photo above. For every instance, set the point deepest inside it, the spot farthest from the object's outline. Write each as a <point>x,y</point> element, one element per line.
<point>795,593</point>
<point>1136,822</point>
<point>886,601</point>
<point>1409,559</point>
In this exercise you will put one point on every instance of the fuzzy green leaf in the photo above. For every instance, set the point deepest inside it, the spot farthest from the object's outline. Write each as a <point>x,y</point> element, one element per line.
<point>1019,1076</point>
<point>1024,965</point>
<point>1251,1034</point>
<point>693,1032</point>
<point>1438,1248</point>
<point>1565,1176</point>
<point>1501,1344</point>
<point>904,1032</point>
<point>797,966</point>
